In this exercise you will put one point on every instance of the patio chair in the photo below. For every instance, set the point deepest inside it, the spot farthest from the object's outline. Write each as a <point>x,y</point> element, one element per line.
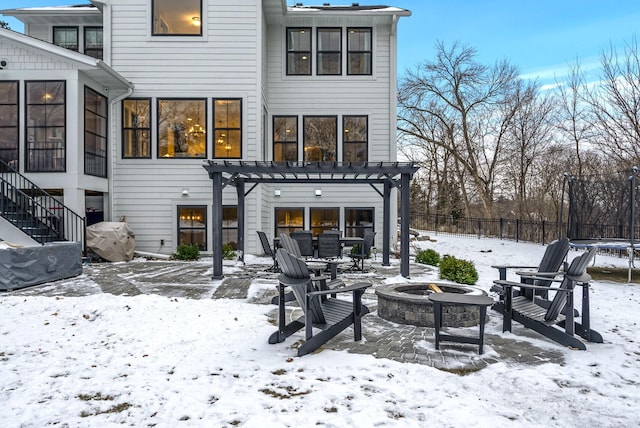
<point>329,246</point>
<point>358,257</point>
<point>551,263</point>
<point>304,238</point>
<point>330,315</point>
<point>546,321</point>
<point>268,251</point>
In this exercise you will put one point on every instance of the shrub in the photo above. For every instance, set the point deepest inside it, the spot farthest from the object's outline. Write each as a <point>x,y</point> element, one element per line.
<point>460,271</point>
<point>187,252</point>
<point>428,257</point>
<point>227,252</point>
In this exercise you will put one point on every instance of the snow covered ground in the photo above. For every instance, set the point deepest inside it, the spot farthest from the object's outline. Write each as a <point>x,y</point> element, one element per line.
<point>105,360</point>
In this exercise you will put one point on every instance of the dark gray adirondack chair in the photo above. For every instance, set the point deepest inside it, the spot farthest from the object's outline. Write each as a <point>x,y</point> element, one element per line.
<point>268,251</point>
<point>304,238</point>
<point>552,261</point>
<point>358,257</point>
<point>546,321</point>
<point>330,315</point>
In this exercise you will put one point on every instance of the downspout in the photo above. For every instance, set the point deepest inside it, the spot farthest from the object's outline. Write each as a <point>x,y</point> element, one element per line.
<point>393,90</point>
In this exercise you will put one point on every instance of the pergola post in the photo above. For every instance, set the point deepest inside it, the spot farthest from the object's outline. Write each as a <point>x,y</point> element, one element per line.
<point>386,223</point>
<point>404,225</point>
<point>216,223</point>
<point>240,208</point>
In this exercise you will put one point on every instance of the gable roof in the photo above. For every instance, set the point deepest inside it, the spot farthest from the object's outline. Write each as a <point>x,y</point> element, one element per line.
<point>92,67</point>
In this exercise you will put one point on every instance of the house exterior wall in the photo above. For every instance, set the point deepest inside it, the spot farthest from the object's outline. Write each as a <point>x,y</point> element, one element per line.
<point>223,63</point>
<point>241,54</point>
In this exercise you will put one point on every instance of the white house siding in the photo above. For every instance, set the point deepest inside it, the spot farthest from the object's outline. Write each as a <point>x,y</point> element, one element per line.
<point>222,64</point>
<point>332,95</point>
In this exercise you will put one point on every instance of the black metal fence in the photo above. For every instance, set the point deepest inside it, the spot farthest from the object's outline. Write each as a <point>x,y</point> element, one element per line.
<point>514,229</point>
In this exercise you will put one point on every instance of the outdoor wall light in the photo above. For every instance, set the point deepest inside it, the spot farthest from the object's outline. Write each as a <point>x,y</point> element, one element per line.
<point>185,192</point>
<point>276,192</point>
<point>318,192</point>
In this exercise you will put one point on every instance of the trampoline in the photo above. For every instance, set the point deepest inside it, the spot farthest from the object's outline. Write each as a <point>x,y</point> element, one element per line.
<point>609,244</point>
<point>602,212</point>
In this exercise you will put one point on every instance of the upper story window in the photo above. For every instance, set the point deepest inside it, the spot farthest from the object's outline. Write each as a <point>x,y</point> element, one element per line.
<point>320,138</point>
<point>329,51</point>
<point>182,127</point>
<point>227,128</point>
<point>354,138</point>
<point>136,128</point>
<point>9,122</point>
<point>285,138</point>
<point>176,18</point>
<point>66,37</point>
<point>45,126</point>
<point>359,51</point>
<point>95,133</point>
<point>299,51</point>
<point>93,42</point>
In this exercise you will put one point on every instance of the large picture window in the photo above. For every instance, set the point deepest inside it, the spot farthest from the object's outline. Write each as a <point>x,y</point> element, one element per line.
<point>354,138</point>
<point>359,51</point>
<point>329,51</point>
<point>182,128</point>
<point>9,123</point>
<point>320,138</point>
<point>136,128</point>
<point>357,221</point>
<point>299,51</point>
<point>93,42</point>
<point>45,126</point>
<point>323,219</point>
<point>66,37</point>
<point>289,220</point>
<point>227,123</point>
<point>285,138</point>
<point>192,226</point>
<point>95,133</point>
<point>176,18</point>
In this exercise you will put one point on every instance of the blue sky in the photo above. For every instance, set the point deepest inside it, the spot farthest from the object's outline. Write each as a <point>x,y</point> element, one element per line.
<point>540,37</point>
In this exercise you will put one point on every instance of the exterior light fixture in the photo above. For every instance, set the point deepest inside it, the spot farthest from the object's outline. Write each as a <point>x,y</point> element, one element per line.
<point>318,192</point>
<point>185,192</point>
<point>277,193</point>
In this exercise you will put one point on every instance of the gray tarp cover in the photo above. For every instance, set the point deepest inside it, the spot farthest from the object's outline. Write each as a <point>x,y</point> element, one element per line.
<point>23,267</point>
<point>113,241</point>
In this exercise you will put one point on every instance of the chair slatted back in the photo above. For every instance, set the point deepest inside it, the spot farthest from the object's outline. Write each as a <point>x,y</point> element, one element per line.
<point>328,245</point>
<point>577,268</point>
<point>305,242</point>
<point>369,237</point>
<point>290,244</point>
<point>296,275</point>
<point>553,258</point>
<point>266,247</point>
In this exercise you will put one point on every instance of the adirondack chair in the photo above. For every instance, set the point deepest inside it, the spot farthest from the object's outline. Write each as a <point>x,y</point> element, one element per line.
<point>546,321</point>
<point>292,246</point>
<point>268,251</point>
<point>330,315</point>
<point>552,261</point>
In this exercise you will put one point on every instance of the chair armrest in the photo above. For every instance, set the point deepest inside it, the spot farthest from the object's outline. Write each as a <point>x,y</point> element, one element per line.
<point>513,267</point>
<point>353,287</point>
<point>548,275</point>
<point>510,284</point>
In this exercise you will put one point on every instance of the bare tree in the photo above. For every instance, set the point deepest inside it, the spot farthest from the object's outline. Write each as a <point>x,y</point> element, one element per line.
<point>615,105</point>
<point>5,24</point>
<point>463,107</point>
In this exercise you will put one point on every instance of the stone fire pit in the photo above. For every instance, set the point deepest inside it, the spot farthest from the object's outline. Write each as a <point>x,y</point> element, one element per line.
<point>408,303</point>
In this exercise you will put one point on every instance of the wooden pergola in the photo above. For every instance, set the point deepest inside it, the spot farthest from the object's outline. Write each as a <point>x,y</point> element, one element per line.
<point>241,174</point>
